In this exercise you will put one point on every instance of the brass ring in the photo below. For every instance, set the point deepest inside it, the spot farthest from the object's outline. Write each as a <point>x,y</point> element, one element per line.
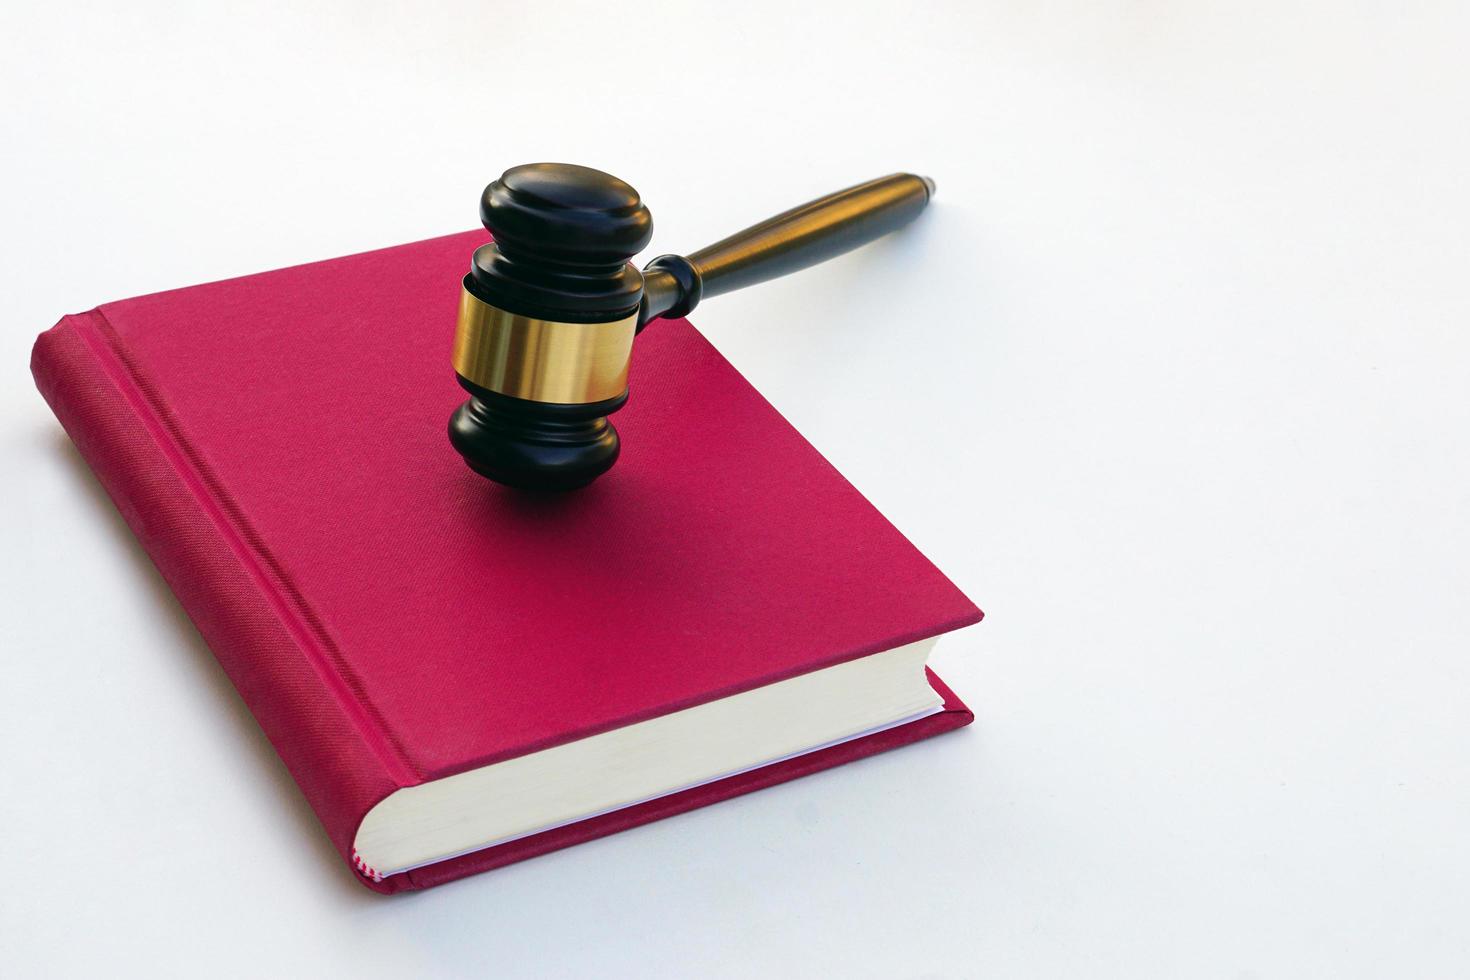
<point>541,360</point>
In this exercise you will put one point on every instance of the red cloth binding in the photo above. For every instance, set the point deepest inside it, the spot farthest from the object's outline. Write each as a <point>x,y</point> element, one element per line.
<point>277,445</point>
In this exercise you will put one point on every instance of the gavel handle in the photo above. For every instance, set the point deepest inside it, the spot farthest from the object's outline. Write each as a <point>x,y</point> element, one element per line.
<point>814,232</point>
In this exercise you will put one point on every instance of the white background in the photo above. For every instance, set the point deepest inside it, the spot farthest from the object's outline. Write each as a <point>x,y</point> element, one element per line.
<point>1173,379</point>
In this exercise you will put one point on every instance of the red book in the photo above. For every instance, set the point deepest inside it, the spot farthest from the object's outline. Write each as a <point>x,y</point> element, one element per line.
<point>277,443</point>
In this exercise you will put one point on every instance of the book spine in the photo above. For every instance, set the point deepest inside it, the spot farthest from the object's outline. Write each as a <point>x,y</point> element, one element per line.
<point>340,766</point>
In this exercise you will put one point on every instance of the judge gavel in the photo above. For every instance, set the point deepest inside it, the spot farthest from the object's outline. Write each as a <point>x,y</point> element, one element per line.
<point>549,309</point>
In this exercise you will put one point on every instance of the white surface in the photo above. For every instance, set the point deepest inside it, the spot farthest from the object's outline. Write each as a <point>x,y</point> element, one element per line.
<point>1173,379</point>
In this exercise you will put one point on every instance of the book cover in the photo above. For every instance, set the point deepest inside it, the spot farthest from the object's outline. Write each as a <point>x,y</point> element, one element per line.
<point>277,443</point>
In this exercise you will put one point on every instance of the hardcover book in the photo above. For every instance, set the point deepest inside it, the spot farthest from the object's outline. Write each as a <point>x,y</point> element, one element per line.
<point>457,674</point>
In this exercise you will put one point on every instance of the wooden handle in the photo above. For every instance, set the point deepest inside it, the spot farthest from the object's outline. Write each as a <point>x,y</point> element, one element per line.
<point>796,239</point>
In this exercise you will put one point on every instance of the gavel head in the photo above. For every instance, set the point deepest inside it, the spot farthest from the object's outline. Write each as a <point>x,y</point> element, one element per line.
<point>546,323</point>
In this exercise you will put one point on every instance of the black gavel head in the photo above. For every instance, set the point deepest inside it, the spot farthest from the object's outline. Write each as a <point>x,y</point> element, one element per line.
<point>547,317</point>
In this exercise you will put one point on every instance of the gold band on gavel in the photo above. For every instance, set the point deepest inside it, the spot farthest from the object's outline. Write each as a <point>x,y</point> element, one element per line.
<point>541,360</point>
